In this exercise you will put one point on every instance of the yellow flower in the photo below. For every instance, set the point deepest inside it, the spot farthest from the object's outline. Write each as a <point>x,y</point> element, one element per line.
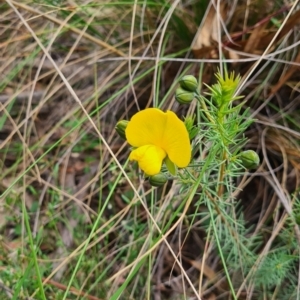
<point>156,135</point>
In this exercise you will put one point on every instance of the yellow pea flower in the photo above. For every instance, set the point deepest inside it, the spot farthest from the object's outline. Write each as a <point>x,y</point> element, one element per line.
<point>156,135</point>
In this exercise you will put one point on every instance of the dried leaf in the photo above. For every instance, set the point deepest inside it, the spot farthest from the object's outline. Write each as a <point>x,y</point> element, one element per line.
<point>208,33</point>
<point>255,38</point>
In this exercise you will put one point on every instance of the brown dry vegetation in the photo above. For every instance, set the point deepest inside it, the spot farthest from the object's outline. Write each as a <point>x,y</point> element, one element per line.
<point>69,71</point>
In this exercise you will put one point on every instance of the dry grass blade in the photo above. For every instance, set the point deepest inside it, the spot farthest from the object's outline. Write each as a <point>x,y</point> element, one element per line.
<point>71,28</point>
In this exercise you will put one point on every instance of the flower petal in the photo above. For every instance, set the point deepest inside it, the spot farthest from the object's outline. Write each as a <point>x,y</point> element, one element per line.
<point>176,141</point>
<point>149,158</point>
<point>146,128</point>
<point>163,130</point>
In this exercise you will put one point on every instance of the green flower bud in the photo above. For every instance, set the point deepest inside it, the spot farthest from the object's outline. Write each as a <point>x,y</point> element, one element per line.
<point>121,127</point>
<point>158,179</point>
<point>249,158</point>
<point>189,83</point>
<point>183,96</point>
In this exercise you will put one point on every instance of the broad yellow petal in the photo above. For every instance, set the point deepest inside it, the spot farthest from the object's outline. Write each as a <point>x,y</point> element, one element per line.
<point>162,130</point>
<point>176,141</point>
<point>149,158</point>
<point>146,128</point>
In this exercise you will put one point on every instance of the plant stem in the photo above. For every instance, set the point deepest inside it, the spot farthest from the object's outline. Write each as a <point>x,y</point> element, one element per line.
<point>220,251</point>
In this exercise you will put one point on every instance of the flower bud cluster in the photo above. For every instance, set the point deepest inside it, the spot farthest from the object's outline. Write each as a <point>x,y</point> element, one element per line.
<point>185,94</point>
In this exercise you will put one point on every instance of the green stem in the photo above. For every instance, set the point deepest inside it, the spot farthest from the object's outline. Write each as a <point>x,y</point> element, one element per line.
<point>220,251</point>
<point>224,156</point>
<point>222,174</point>
<point>33,251</point>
